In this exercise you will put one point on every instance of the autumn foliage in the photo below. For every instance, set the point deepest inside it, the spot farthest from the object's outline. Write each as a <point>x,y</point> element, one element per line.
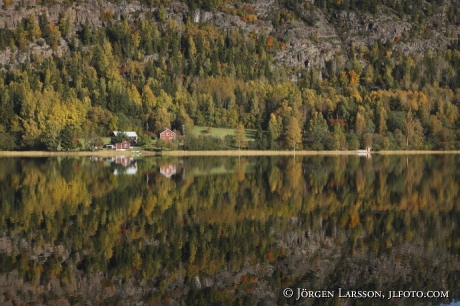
<point>270,41</point>
<point>157,72</point>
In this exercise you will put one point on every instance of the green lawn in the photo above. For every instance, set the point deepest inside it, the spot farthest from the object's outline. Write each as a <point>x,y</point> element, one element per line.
<point>222,132</point>
<point>106,140</point>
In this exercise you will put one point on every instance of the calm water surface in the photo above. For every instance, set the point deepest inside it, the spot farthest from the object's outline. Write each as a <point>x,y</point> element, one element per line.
<point>229,230</point>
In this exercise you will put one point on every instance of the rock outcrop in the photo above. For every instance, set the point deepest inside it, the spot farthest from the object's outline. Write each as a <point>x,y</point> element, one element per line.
<point>310,40</point>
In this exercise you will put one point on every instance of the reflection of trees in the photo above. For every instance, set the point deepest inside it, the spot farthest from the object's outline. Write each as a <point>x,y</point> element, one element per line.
<point>327,219</point>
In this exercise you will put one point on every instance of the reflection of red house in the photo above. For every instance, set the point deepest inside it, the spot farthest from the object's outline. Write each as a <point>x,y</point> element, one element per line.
<point>168,170</point>
<point>129,165</point>
<point>124,161</point>
<point>124,145</point>
<point>167,134</point>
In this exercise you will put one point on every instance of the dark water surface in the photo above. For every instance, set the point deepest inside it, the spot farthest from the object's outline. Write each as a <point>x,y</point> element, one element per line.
<point>230,230</point>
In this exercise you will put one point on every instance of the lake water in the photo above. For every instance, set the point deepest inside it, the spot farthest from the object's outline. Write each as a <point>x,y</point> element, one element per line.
<point>230,230</point>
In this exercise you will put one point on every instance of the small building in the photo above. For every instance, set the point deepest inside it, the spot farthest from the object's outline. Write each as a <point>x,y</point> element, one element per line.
<point>367,150</point>
<point>167,134</point>
<point>132,136</point>
<point>365,153</point>
<point>124,145</point>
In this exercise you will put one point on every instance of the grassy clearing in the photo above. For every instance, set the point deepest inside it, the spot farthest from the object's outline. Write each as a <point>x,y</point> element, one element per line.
<point>106,140</point>
<point>222,132</point>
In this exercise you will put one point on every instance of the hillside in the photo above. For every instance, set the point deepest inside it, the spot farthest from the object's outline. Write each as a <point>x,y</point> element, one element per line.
<point>313,74</point>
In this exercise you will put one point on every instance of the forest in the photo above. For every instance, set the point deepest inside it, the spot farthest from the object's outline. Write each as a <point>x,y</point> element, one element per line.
<point>149,72</point>
<point>257,224</point>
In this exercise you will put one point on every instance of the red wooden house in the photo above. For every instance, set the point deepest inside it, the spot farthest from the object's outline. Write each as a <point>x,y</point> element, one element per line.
<point>167,134</point>
<point>124,145</point>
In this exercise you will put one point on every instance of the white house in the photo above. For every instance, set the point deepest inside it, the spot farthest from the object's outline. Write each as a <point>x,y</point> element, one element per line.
<point>131,135</point>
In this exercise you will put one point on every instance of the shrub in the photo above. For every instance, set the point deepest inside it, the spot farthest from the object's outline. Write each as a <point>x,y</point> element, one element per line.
<point>353,142</point>
<point>202,143</point>
<point>167,145</point>
<point>8,142</point>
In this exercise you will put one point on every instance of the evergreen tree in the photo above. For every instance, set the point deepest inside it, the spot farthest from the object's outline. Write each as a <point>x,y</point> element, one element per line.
<point>260,139</point>
<point>67,141</point>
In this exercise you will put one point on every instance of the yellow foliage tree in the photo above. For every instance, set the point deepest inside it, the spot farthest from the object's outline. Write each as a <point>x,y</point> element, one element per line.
<point>240,137</point>
<point>354,77</point>
<point>293,134</point>
<point>148,98</point>
<point>360,123</point>
<point>134,95</point>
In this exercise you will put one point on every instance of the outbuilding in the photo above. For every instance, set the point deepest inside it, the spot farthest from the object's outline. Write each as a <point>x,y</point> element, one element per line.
<point>167,134</point>
<point>124,145</point>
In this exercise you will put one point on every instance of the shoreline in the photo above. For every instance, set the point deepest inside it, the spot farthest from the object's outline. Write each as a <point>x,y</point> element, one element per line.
<point>110,153</point>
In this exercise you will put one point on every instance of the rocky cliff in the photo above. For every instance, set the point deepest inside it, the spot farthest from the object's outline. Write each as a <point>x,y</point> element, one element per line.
<point>311,36</point>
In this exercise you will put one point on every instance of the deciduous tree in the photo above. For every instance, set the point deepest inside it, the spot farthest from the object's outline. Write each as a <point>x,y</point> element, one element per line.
<point>240,136</point>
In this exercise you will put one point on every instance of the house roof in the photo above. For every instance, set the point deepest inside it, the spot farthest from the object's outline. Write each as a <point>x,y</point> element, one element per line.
<point>129,134</point>
<point>166,129</point>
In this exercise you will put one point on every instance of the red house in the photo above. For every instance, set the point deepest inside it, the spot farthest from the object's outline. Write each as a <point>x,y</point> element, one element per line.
<point>167,134</point>
<point>124,145</point>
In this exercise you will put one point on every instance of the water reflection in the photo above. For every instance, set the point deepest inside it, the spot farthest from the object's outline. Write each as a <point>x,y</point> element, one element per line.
<point>168,170</point>
<point>228,230</point>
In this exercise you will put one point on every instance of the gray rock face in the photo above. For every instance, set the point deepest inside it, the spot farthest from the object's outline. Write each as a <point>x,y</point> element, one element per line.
<point>311,40</point>
<point>197,282</point>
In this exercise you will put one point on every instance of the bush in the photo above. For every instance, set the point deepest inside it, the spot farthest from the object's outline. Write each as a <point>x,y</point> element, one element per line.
<point>353,142</point>
<point>8,142</point>
<point>41,42</point>
<point>167,145</point>
<point>144,140</point>
<point>162,144</point>
<point>330,143</point>
<point>229,140</point>
<point>202,143</point>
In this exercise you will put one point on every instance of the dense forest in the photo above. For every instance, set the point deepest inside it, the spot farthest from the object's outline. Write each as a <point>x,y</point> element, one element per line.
<point>144,71</point>
<point>227,230</point>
